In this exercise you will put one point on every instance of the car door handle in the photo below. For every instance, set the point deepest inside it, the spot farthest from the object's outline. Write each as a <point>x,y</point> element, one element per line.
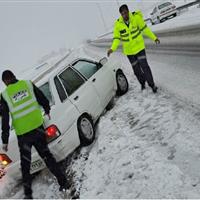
<point>94,80</point>
<point>76,98</point>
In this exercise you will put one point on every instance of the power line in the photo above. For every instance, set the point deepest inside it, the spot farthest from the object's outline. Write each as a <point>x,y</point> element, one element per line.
<point>102,17</point>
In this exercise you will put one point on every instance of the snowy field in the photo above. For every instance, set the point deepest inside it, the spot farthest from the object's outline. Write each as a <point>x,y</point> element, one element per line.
<point>147,146</point>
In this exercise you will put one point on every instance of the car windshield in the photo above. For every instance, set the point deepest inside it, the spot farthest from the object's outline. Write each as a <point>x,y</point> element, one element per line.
<point>164,5</point>
<point>45,88</point>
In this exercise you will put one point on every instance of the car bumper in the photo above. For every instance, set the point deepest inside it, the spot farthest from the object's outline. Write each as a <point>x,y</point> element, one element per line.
<point>37,164</point>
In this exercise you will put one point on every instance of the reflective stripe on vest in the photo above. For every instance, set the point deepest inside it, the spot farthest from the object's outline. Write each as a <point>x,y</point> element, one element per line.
<point>116,38</point>
<point>134,31</point>
<point>125,40</point>
<point>143,28</point>
<point>31,109</point>
<point>135,36</point>
<point>124,37</point>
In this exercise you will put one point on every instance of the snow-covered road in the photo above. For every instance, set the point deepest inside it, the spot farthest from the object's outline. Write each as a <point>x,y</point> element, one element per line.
<point>147,146</point>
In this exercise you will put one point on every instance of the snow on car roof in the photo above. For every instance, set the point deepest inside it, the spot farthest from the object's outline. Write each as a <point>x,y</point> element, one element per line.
<point>44,77</point>
<point>54,70</point>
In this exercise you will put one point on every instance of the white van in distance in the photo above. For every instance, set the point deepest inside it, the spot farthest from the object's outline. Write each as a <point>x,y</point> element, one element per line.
<point>162,12</point>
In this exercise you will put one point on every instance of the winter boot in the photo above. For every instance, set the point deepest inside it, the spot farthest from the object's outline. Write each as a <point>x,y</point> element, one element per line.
<point>64,187</point>
<point>154,89</point>
<point>28,196</point>
<point>143,87</point>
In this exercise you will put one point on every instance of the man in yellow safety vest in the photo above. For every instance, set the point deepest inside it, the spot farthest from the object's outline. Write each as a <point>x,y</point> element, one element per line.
<point>22,99</point>
<point>129,29</point>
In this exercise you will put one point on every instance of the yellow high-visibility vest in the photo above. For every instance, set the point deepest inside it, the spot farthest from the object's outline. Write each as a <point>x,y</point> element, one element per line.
<point>23,106</point>
<point>131,36</point>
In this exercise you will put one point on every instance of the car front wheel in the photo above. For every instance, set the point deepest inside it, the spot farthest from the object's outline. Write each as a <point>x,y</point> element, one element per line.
<point>86,130</point>
<point>122,83</point>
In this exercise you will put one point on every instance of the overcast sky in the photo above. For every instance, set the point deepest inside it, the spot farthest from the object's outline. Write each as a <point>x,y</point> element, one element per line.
<point>32,29</point>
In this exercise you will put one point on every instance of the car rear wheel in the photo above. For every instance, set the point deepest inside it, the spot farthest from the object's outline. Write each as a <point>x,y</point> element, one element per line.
<point>86,130</point>
<point>122,83</point>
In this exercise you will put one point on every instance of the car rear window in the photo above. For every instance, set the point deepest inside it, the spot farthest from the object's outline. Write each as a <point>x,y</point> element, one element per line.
<point>164,5</point>
<point>45,88</point>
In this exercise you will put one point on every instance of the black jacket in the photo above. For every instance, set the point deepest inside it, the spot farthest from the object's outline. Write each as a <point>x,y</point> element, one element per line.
<point>4,111</point>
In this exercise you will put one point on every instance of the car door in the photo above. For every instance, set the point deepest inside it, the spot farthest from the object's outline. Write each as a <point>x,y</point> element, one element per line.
<point>81,93</point>
<point>100,76</point>
<point>61,107</point>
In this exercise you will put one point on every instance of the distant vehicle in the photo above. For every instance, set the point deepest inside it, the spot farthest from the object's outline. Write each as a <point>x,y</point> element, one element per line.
<point>78,92</point>
<point>162,12</point>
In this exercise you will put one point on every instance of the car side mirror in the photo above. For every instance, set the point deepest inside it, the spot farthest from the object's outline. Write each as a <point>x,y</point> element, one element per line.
<point>103,61</point>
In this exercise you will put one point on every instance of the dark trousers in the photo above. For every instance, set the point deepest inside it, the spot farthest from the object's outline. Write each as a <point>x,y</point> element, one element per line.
<point>141,68</point>
<point>37,139</point>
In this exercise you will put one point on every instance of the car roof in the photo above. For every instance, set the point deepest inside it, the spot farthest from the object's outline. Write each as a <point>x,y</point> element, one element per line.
<point>161,3</point>
<point>44,77</point>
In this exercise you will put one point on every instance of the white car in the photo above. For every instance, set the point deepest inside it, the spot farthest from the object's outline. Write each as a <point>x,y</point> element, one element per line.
<point>78,92</point>
<point>162,12</point>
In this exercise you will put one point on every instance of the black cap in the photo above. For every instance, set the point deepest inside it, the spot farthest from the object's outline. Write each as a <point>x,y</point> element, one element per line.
<point>7,75</point>
<point>123,7</point>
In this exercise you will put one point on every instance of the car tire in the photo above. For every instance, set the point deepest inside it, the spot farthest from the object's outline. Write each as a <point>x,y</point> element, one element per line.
<point>86,130</point>
<point>175,14</point>
<point>122,83</point>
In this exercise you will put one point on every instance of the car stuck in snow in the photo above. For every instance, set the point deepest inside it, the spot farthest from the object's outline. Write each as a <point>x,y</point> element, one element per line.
<point>78,92</point>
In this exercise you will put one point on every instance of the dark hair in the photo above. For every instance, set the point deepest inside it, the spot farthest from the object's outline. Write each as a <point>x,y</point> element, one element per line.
<point>123,7</point>
<point>7,75</point>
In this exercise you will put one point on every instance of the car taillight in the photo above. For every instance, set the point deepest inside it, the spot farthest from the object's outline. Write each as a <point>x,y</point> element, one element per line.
<point>4,160</point>
<point>173,7</point>
<point>52,133</point>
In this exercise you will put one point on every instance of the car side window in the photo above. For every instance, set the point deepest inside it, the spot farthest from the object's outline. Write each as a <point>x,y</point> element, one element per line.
<point>61,92</point>
<point>71,80</point>
<point>87,69</point>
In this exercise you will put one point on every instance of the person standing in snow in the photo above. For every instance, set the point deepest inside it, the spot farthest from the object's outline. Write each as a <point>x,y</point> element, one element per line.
<point>22,99</point>
<point>129,29</point>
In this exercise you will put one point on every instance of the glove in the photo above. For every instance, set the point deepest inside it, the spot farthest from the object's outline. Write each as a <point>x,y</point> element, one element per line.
<point>49,116</point>
<point>109,52</point>
<point>157,41</point>
<point>5,147</point>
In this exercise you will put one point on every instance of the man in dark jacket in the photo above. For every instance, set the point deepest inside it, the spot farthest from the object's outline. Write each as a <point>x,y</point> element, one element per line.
<point>20,92</point>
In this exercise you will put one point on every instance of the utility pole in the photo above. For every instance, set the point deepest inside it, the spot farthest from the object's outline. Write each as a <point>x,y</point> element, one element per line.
<point>118,4</point>
<point>101,15</point>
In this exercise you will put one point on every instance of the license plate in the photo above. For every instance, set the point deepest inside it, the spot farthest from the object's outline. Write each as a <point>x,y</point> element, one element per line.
<point>2,173</point>
<point>36,165</point>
